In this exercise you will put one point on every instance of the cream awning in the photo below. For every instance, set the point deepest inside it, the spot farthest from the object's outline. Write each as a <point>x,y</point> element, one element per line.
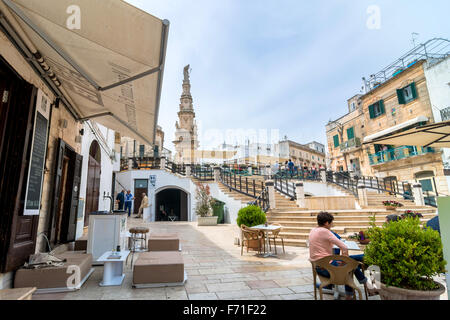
<point>109,70</point>
<point>391,130</point>
<point>436,135</point>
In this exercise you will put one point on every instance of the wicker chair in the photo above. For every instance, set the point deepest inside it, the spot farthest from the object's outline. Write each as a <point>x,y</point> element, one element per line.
<point>274,236</point>
<point>250,236</point>
<point>339,275</point>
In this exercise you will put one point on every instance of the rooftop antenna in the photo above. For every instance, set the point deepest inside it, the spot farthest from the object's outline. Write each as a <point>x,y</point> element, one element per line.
<point>414,37</point>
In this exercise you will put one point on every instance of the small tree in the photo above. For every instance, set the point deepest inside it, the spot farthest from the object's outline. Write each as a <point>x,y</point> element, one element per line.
<point>408,255</point>
<point>204,201</point>
<point>251,216</point>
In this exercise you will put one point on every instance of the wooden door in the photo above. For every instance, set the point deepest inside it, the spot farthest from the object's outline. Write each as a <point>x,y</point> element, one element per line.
<point>92,189</point>
<point>57,185</point>
<point>17,232</point>
<point>93,181</point>
<point>70,224</point>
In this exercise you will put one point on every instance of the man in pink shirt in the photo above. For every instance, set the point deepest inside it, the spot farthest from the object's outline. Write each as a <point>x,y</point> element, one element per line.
<point>321,241</point>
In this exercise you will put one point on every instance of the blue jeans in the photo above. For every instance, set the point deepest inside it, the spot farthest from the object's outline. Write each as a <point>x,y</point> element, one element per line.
<point>128,207</point>
<point>358,273</point>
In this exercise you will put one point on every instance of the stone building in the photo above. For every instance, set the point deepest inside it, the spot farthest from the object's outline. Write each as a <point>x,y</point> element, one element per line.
<point>186,139</point>
<point>301,154</point>
<point>344,139</point>
<point>131,148</point>
<point>396,99</point>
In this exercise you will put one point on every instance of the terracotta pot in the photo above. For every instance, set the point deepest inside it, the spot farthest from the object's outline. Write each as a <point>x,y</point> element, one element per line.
<point>394,293</point>
<point>365,241</point>
<point>391,208</point>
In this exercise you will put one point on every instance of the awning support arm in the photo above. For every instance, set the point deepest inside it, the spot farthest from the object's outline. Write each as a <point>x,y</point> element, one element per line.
<point>136,77</point>
<point>96,116</point>
<point>50,42</point>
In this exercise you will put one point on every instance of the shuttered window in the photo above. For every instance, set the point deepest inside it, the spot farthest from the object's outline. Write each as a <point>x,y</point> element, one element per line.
<point>407,94</point>
<point>377,109</point>
<point>336,141</point>
<point>350,133</point>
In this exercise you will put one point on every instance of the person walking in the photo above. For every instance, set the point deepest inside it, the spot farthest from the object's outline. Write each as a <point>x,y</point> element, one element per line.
<point>291,166</point>
<point>120,199</point>
<point>128,202</point>
<point>144,204</point>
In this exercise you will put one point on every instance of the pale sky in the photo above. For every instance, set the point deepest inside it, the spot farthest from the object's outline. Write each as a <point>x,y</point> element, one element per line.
<point>286,65</point>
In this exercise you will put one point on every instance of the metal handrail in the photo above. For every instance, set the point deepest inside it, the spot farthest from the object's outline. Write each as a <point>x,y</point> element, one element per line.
<point>285,187</point>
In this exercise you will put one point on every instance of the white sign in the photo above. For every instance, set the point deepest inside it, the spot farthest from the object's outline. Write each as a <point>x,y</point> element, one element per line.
<point>153,180</point>
<point>38,155</point>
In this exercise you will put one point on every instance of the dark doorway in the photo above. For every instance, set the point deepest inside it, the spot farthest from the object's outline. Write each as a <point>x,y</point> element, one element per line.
<point>172,202</point>
<point>93,181</point>
<point>140,186</point>
<point>17,108</point>
<point>67,177</point>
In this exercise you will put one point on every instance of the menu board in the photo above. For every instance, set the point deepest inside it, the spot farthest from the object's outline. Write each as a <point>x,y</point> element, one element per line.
<point>37,160</point>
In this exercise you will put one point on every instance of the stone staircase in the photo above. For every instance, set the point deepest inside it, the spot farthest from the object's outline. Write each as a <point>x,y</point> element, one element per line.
<point>298,223</point>
<point>375,200</point>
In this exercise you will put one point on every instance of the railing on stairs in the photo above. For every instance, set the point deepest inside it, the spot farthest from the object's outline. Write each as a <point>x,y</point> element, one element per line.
<point>203,173</point>
<point>176,168</point>
<point>285,187</point>
<point>344,181</point>
<point>249,187</point>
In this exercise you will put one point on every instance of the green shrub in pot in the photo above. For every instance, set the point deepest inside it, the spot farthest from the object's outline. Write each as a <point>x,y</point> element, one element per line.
<point>408,255</point>
<point>251,216</point>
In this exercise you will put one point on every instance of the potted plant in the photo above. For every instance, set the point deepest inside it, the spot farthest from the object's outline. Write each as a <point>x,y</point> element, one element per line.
<point>392,205</point>
<point>408,256</point>
<point>251,216</point>
<point>411,214</point>
<point>204,206</point>
<point>361,237</point>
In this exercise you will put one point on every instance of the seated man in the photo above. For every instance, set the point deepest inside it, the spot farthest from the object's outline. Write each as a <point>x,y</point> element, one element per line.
<point>321,241</point>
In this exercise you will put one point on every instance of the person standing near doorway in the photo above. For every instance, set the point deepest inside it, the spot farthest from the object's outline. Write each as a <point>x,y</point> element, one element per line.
<point>144,204</point>
<point>128,202</point>
<point>120,199</point>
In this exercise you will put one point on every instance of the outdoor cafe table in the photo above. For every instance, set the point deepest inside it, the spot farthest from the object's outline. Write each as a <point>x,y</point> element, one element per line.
<point>351,245</point>
<point>266,230</point>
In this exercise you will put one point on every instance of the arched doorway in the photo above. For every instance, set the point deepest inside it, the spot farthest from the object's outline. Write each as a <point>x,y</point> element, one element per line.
<point>171,203</point>
<point>93,181</point>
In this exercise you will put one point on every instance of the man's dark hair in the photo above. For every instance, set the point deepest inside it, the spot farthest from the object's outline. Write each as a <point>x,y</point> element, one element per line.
<point>324,217</point>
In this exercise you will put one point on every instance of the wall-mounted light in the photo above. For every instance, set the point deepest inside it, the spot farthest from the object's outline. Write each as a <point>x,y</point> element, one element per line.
<point>82,132</point>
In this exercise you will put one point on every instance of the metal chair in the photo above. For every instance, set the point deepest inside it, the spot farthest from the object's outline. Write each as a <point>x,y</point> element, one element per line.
<point>274,236</point>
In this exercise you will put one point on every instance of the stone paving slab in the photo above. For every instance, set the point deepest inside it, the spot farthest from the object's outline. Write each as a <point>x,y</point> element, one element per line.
<point>215,268</point>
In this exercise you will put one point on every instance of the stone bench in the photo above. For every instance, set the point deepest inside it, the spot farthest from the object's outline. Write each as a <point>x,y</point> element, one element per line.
<point>159,269</point>
<point>54,279</point>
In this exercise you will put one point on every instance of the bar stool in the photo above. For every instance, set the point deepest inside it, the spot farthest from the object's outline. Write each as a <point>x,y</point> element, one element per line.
<point>137,234</point>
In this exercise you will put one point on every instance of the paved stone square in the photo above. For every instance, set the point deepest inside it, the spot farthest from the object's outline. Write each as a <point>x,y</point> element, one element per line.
<point>216,271</point>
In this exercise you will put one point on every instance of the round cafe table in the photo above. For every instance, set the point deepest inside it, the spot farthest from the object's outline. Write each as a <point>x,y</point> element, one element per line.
<point>266,230</point>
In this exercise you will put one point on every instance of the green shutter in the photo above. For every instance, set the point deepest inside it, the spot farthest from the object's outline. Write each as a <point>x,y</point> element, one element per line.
<point>414,90</point>
<point>383,111</point>
<point>401,97</point>
<point>336,141</point>
<point>371,111</point>
<point>350,133</point>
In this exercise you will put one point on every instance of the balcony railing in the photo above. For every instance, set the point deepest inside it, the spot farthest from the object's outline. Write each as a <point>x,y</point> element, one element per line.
<point>398,154</point>
<point>352,143</point>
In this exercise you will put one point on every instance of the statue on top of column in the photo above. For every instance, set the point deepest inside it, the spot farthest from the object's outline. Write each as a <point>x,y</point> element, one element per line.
<point>186,72</point>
